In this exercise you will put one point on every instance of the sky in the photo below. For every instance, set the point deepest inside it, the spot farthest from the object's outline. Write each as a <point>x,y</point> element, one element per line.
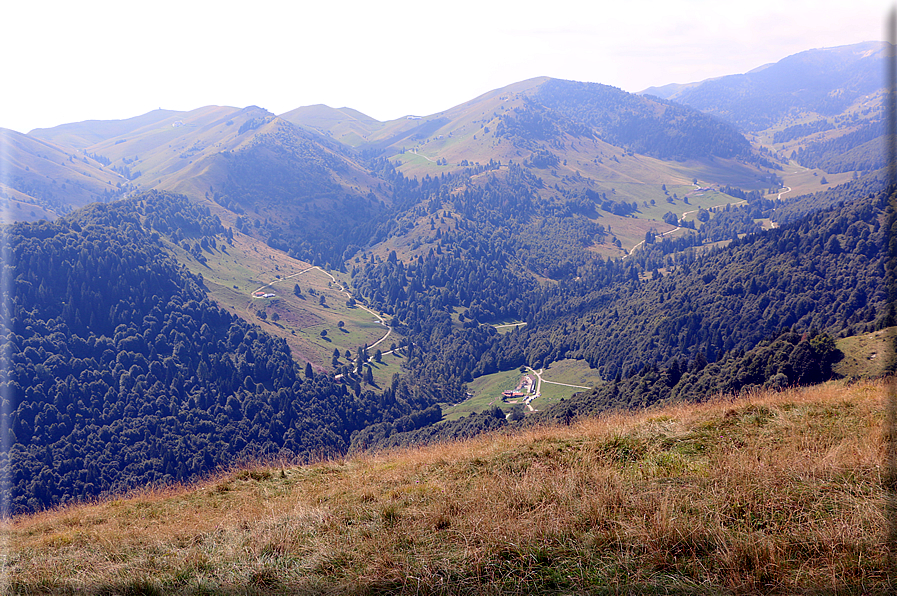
<point>73,61</point>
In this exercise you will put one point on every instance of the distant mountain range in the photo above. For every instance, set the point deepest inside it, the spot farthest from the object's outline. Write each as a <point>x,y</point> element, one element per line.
<point>543,120</point>
<point>587,124</point>
<point>826,82</point>
<point>582,110</point>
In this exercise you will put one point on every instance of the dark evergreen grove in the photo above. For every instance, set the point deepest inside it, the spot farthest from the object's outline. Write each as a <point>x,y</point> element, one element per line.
<point>120,372</point>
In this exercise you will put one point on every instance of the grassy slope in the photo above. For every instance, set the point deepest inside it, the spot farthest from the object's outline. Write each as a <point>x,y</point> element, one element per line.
<point>569,372</point>
<point>67,174</point>
<point>18,206</point>
<point>234,275</point>
<point>865,355</point>
<point>486,392</point>
<point>390,365</point>
<point>163,149</point>
<point>344,124</point>
<point>82,135</point>
<point>775,492</point>
<point>803,181</point>
<point>184,152</point>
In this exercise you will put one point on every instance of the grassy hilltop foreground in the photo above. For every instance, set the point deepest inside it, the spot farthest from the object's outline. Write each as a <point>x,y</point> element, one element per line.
<point>775,492</point>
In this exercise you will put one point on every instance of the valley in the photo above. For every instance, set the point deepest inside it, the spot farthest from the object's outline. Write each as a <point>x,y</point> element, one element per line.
<point>252,304</point>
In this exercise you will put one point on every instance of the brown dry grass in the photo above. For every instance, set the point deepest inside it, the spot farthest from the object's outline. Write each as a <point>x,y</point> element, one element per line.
<point>773,493</point>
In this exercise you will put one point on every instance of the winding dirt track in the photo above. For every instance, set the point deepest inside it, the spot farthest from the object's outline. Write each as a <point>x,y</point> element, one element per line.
<point>677,228</point>
<point>340,288</point>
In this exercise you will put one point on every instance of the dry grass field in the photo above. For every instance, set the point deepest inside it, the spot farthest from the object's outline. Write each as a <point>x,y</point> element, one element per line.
<point>771,493</point>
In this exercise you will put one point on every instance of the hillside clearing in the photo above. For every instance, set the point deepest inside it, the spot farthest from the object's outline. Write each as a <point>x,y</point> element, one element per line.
<point>232,273</point>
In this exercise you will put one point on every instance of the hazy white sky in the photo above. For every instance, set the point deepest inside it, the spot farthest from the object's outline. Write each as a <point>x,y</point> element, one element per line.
<point>72,61</point>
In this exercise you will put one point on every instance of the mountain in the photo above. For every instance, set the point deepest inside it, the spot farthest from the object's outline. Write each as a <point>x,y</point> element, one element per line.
<point>43,179</point>
<point>81,135</point>
<point>661,129</point>
<point>572,139</point>
<point>305,182</point>
<point>346,125</point>
<point>316,199</point>
<point>105,153</point>
<point>826,82</point>
<point>570,134</point>
<point>820,109</point>
<point>249,161</point>
<point>290,286</point>
<point>582,121</point>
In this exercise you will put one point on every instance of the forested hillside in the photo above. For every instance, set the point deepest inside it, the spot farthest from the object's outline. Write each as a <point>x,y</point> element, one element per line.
<point>823,272</point>
<point>799,207</point>
<point>638,236</point>
<point>862,149</point>
<point>120,372</point>
<point>760,313</point>
<point>649,126</point>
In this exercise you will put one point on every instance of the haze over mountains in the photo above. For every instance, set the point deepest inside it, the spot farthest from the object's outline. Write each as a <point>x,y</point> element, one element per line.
<point>255,285</point>
<point>824,82</point>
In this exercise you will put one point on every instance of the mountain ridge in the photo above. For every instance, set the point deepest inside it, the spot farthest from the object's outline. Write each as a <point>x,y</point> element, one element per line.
<point>89,132</point>
<point>761,97</point>
<point>40,174</point>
